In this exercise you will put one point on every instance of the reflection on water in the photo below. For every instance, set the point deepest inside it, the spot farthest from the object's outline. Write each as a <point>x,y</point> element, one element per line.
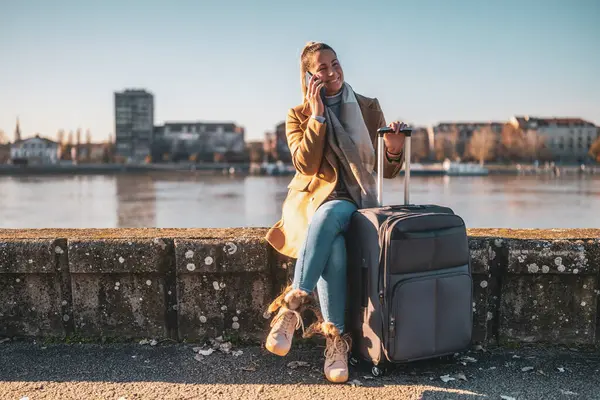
<point>136,201</point>
<point>192,200</point>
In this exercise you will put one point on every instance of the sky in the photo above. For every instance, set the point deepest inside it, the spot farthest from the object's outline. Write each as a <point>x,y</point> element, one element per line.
<point>426,61</point>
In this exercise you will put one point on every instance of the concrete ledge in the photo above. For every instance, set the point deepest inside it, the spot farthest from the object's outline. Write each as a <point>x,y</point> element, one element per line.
<point>35,297</point>
<point>191,284</point>
<point>223,287</point>
<point>119,286</point>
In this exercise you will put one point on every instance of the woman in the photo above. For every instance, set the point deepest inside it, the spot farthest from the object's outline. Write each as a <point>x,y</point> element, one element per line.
<point>333,145</point>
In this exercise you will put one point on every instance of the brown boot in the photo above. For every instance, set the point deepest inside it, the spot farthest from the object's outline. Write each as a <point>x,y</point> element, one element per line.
<point>286,322</point>
<point>336,353</point>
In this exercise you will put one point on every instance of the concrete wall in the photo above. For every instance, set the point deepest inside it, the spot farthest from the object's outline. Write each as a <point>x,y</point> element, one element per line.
<point>191,284</point>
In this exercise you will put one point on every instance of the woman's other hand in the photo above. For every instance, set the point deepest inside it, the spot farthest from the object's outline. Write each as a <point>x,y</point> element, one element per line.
<point>394,142</point>
<point>313,95</point>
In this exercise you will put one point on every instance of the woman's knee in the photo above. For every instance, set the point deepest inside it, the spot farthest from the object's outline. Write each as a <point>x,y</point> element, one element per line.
<point>334,213</point>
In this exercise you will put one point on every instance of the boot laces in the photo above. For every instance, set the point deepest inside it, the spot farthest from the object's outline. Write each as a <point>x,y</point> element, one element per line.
<point>285,319</point>
<point>337,348</point>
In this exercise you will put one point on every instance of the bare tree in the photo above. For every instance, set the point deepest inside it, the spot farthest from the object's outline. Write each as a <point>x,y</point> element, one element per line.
<point>511,143</point>
<point>78,144</point>
<point>445,145</point>
<point>533,145</point>
<point>595,150</point>
<point>419,145</point>
<point>88,145</point>
<point>481,145</point>
<point>67,154</point>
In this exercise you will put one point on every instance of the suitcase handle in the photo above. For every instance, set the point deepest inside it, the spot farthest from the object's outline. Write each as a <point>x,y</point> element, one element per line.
<point>404,207</point>
<point>382,131</point>
<point>380,154</point>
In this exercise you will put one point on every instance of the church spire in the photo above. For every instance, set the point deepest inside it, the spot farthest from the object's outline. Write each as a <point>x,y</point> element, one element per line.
<point>17,131</point>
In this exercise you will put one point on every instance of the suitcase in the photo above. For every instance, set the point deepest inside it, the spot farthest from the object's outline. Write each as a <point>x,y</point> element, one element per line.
<point>409,279</point>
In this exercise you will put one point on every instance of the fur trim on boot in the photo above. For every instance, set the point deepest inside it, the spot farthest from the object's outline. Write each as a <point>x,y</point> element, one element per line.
<point>279,300</point>
<point>295,299</point>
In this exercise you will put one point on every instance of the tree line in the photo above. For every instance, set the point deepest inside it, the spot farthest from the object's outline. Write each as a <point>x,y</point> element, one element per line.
<point>512,144</point>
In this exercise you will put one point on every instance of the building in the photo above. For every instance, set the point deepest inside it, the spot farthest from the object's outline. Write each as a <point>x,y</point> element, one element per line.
<point>4,153</point>
<point>92,152</point>
<point>422,144</point>
<point>275,146</point>
<point>204,141</point>
<point>134,123</point>
<point>35,150</point>
<point>281,145</point>
<point>568,139</point>
<point>451,138</point>
<point>17,131</point>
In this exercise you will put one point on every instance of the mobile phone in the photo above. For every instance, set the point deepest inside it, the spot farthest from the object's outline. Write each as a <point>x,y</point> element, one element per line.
<point>307,77</point>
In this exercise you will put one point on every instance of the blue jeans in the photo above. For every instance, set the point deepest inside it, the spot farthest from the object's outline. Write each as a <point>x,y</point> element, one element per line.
<point>322,259</point>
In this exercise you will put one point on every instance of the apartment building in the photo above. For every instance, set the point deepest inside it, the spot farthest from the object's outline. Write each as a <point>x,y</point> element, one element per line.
<point>134,123</point>
<point>568,139</point>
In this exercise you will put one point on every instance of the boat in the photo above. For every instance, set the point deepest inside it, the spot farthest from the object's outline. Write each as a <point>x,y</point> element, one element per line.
<point>464,169</point>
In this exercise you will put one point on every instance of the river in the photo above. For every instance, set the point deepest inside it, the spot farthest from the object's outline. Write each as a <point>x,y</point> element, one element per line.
<point>185,199</point>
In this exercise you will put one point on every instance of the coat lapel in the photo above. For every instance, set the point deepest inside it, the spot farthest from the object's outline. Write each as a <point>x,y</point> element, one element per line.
<point>370,113</point>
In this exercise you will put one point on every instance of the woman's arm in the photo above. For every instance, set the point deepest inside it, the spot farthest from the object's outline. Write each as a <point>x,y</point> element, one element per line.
<point>306,145</point>
<point>391,165</point>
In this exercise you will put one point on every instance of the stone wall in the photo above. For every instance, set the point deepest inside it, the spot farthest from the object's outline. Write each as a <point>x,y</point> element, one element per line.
<point>193,284</point>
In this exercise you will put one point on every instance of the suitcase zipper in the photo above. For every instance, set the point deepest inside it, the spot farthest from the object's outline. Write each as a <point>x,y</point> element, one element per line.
<point>382,283</point>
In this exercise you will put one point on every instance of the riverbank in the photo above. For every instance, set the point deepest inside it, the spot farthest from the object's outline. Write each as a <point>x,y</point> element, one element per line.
<point>425,169</point>
<point>101,169</point>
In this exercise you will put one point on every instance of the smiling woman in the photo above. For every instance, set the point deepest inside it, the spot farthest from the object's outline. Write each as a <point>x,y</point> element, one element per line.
<point>320,60</point>
<point>332,138</point>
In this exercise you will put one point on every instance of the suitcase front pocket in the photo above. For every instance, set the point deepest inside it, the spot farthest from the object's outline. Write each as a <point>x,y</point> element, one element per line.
<point>411,252</point>
<point>431,316</point>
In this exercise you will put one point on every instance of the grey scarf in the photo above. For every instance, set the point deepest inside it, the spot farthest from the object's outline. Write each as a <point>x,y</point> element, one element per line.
<point>349,139</point>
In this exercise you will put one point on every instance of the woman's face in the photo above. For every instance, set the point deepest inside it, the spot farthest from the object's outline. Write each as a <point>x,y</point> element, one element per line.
<point>327,68</point>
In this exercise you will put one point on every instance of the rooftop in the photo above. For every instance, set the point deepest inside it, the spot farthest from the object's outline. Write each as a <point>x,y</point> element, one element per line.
<point>558,121</point>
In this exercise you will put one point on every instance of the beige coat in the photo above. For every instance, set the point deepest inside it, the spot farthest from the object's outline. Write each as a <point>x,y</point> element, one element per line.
<point>315,177</point>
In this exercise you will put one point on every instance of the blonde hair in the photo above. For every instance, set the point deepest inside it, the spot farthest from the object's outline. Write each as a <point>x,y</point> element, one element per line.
<point>308,50</point>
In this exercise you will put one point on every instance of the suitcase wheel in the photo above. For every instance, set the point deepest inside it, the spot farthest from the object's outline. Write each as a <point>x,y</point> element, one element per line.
<point>377,371</point>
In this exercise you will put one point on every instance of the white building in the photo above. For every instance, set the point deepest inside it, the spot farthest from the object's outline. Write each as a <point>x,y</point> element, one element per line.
<point>569,139</point>
<point>35,150</point>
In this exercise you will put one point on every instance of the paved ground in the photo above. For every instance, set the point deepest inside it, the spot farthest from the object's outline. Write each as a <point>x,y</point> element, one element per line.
<point>171,371</point>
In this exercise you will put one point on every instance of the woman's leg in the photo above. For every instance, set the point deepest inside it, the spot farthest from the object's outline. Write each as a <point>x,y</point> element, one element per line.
<point>332,285</point>
<point>321,247</point>
<point>329,221</point>
<point>332,296</point>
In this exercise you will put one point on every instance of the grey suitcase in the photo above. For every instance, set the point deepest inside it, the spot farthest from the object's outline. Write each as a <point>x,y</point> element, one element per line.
<point>409,278</point>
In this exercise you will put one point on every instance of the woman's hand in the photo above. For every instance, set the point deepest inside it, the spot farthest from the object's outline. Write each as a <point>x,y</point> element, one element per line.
<point>313,95</point>
<point>394,142</point>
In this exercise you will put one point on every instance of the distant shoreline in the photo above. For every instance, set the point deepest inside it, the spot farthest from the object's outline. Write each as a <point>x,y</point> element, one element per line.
<point>94,169</point>
<point>244,169</point>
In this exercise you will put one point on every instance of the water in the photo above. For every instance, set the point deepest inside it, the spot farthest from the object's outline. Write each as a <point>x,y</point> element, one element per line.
<point>182,200</point>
